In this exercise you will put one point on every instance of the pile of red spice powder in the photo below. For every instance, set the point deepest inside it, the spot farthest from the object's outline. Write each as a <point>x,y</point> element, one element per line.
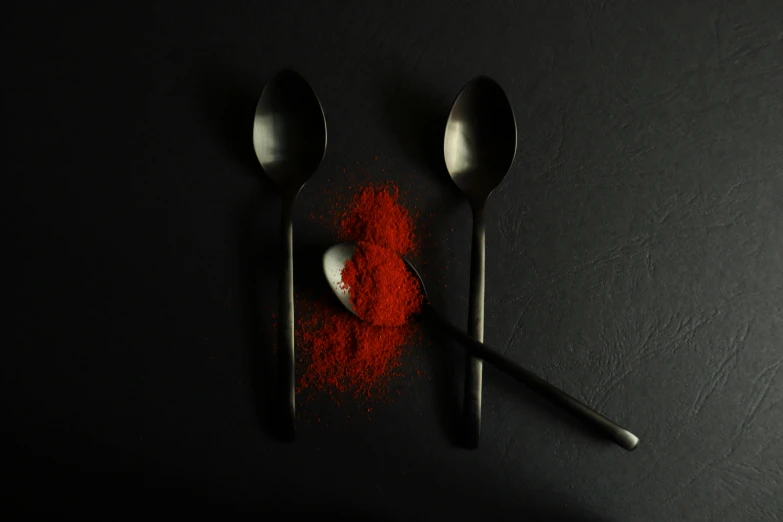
<point>339,353</point>
<point>376,216</point>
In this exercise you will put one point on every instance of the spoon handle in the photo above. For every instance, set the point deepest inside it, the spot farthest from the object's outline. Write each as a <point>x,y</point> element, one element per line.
<point>612,431</point>
<point>471,409</point>
<point>285,347</point>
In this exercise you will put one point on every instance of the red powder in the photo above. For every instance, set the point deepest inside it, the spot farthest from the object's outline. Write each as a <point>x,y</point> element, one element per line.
<point>376,216</point>
<point>380,286</point>
<point>346,354</point>
<point>340,353</point>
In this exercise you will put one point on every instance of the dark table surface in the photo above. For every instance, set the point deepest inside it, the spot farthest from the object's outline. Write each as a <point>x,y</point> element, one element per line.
<point>635,258</point>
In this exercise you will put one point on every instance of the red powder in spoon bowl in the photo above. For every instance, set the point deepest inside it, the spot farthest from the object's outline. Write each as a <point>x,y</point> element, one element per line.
<point>381,288</point>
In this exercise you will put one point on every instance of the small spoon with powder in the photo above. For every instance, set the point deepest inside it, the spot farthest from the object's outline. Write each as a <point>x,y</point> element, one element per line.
<point>380,287</point>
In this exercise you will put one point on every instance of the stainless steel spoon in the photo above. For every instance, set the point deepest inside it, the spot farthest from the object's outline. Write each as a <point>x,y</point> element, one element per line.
<point>479,148</point>
<point>289,136</point>
<point>333,262</point>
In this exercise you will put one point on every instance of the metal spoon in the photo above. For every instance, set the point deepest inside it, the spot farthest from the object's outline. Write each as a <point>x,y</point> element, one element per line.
<point>289,136</point>
<point>479,147</point>
<point>333,262</point>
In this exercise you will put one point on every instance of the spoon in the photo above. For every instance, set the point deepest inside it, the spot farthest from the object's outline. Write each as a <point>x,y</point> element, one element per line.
<point>289,136</point>
<point>479,148</point>
<point>333,262</point>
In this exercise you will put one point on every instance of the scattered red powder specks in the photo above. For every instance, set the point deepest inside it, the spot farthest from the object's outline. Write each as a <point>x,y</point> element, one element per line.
<point>380,286</point>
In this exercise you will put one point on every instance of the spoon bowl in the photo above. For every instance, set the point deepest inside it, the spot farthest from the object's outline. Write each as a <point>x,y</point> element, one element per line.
<point>289,131</point>
<point>334,261</point>
<point>481,139</point>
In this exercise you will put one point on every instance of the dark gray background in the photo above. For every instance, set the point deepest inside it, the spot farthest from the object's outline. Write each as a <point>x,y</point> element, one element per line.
<point>634,257</point>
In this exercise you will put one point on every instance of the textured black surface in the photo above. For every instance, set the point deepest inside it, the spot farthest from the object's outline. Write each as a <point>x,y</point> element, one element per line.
<point>634,254</point>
